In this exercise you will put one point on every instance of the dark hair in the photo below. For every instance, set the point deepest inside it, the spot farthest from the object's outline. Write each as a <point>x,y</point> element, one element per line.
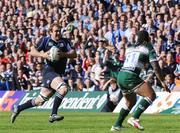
<point>143,36</point>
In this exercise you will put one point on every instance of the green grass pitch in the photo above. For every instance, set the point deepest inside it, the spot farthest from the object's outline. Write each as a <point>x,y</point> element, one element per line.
<point>37,122</point>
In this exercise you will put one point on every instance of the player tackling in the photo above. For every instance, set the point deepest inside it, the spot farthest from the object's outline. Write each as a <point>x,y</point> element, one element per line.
<point>55,50</point>
<point>131,84</point>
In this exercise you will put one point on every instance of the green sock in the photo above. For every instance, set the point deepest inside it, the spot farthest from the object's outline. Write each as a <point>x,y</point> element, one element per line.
<point>122,115</point>
<point>143,105</point>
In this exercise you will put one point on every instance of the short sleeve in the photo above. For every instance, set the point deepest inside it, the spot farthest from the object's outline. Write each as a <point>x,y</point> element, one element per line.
<point>41,43</point>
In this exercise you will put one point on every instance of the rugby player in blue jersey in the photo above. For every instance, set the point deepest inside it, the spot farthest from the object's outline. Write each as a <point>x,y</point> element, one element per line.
<point>52,72</point>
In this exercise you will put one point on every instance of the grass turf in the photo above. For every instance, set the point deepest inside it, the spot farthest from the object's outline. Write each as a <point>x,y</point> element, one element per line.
<point>37,122</point>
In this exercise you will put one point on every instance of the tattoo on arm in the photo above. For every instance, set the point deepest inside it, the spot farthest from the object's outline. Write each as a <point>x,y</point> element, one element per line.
<point>157,70</point>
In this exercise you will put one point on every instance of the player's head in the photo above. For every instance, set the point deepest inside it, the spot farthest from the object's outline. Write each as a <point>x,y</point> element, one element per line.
<point>55,31</point>
<point>143,37</point>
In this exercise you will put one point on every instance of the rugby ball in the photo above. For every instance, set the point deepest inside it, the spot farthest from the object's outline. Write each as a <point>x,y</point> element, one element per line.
<point>54,54</point>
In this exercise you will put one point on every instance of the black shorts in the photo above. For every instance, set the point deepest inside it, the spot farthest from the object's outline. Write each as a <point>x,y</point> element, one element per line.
<point>48,74</point>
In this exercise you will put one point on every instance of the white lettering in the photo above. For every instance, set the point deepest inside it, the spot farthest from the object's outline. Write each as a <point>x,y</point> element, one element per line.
<point>101,101</point>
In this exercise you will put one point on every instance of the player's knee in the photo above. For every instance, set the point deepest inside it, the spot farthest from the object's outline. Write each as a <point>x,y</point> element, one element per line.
<point>40,100</point>
<point>130,104</point>
<point>150,100</point>
<point>41,103</point>
<point>152,96</point>
<point>126,107</point>
<point>62,88</point>
<point>65,90</point>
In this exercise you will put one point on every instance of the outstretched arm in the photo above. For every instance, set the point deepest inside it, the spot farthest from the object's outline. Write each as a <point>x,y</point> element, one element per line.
<point>34,52</point>
<point>158,73</point>
<point>71,54</point>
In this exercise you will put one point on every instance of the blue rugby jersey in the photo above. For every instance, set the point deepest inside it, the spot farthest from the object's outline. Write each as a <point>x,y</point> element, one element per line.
<point>63,44</point>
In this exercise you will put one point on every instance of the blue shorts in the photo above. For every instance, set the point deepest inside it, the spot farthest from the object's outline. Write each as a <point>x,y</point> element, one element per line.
<point>48,74</point>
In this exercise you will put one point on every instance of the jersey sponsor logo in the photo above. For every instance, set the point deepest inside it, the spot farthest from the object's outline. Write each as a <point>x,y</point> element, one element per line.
<point>48,81</point>
<point>50,44</point>
<point>61,44</point>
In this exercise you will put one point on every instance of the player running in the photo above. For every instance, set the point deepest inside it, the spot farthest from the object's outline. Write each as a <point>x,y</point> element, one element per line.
<point>52,72</point>
<point>131,84</point>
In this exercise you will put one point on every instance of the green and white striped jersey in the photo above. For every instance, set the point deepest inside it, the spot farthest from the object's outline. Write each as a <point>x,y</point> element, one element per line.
<point>137,56</point>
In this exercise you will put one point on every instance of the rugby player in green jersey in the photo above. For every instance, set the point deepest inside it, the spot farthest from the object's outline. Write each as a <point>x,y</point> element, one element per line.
<point>131,84</point>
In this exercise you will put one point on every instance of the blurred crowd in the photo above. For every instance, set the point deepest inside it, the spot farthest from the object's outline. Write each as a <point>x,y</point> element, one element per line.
<point>100,31</point>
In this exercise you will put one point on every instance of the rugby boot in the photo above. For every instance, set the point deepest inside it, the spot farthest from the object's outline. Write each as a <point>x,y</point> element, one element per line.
<point>135,123</point>
<point>55,117</point>
<point>115,128</point>
<point>14,114</point>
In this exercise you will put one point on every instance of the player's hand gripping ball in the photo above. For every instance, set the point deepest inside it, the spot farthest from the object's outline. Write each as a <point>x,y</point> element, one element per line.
<point>54,54</point>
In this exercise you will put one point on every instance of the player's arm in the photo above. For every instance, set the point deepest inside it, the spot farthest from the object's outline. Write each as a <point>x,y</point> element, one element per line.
<point>158,73</point>
<point>71,54</point>
<point>37,50</point>
<point>156,67</point>
<point>34,52</point>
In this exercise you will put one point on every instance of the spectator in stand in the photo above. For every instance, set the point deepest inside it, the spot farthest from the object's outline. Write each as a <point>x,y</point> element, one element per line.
<point>109,34</point>
<point>77,71</point>
<point>101,47</point>
<point>177,74</point>
<point>4,83</point>
<point>38,73</point>
<point>122,28</point>
<point>150,26</point>
<point>96,68</point>
<point>103,79</point>
<point>23,23</point>
<point>128,31</point>
<point>71,84</point>
<point>159,47</point>
<point>87,60</point>
<point>169,79</point>
<point>25,84</point>
<point>171,44</point>
<point>114,95</point>
<point>171,65</point>
<point>11,77</point>
<point>89,85</point>
<point>177,56</point>
<point>162,65</point>
<point>79,84</point>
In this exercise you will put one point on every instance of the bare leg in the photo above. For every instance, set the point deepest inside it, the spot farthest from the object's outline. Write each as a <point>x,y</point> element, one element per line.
<point>38,101</point>
<point>130,100</point>
<point>149,95</point>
